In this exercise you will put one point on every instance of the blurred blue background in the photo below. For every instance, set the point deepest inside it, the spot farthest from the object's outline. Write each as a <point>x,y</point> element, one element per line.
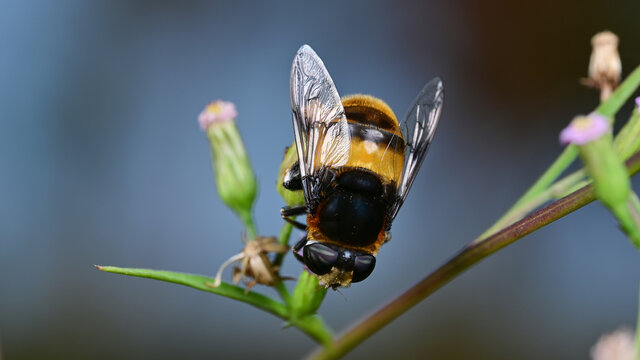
<point>102,162</point>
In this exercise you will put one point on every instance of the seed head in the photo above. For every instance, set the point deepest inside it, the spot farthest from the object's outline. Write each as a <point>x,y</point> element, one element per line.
<point>604,66</point>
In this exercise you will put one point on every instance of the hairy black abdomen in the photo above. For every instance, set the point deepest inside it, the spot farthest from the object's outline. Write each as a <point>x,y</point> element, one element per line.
<point>354,212</point>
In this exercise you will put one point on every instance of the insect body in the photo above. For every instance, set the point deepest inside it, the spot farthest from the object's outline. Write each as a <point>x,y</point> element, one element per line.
<point>356,163</point>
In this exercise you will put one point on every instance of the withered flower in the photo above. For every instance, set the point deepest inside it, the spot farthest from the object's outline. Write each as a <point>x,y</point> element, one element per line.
<point>255,266</point>
<point>604,66</point>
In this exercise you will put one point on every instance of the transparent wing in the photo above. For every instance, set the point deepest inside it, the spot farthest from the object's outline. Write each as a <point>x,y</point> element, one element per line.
<point>319,123</point>
<point>418,129</point>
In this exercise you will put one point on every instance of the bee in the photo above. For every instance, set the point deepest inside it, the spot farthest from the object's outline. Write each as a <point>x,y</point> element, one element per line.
<point>356,164</point>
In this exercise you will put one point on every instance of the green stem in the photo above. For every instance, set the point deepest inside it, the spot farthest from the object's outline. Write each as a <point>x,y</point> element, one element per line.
<point>314,327</point>
<point>283,238</point>
<point>283,292</point>
<point>247,219</point>
<point>468,256</point>
<point>525,203</point>
<point>559,189</point>
<point>627,140</point>
<point>638,330</point>
<point>634,208</point>
<point>608,109</point>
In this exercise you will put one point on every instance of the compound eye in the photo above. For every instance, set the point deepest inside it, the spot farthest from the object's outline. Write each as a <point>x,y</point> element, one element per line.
<point>319,258</point>
<point>363,267</point>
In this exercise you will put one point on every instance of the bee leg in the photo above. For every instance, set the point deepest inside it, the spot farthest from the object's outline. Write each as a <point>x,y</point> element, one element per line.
<point>293,211</point>
<point>296,224</point>
<point>287,211</point>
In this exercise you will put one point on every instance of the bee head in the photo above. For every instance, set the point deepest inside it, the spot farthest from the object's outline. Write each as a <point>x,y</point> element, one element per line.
<point>334,266</point>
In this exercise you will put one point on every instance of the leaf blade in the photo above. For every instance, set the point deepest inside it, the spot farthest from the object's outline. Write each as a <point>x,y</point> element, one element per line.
<point>200,282</point>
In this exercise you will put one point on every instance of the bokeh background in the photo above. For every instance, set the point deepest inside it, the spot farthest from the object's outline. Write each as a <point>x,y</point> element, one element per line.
<point>102,162</point>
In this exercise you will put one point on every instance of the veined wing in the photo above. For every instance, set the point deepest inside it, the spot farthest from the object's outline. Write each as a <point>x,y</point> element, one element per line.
<point>319,123</point>
<point>418,129</point>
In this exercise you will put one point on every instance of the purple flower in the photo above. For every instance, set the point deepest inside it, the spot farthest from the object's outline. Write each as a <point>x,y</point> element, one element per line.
<point>217,112</point>
<point>584,129</point>
<point>638,103</point>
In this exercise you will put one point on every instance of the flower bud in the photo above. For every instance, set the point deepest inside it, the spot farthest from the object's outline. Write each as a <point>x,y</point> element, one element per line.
<point>234,177</point>
<point>593,137</point>
<point>307,296</point>
<point>611,182</point>
<point>291,198</point>
<point>604,65</point>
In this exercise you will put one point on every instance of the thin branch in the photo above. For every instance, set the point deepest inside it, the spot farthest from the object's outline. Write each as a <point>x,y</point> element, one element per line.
<point>608,109</point>
<point>468,256</point>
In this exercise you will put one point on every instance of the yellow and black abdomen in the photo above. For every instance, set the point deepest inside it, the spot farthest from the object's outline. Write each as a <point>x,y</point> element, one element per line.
<point>376,141</point>
<point>353,213</point>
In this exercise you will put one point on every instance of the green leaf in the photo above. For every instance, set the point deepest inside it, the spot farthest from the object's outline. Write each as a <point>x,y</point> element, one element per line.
<point>310,325</point>
<point>201,283</point>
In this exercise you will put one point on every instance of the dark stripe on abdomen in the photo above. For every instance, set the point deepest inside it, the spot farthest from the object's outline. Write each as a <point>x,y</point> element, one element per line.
<point>376,135</point>
<point>372,116</point>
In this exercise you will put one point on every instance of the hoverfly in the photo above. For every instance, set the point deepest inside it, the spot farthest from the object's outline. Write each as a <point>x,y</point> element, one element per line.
<point>356,164</point>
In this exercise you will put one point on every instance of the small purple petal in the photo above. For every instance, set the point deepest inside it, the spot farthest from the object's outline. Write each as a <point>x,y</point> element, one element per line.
<point>638,103</point>
<point>217,112</point>
<point>584,129</point>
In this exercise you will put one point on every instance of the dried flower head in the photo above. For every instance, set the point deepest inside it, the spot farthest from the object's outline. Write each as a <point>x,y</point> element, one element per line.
<point>584,129</point>
<point>255,267</point>
<point>617,345</point>
<point>604,66</point>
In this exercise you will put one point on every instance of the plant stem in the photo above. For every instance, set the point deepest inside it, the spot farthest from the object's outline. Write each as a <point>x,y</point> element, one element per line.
<point>559,189</point>
<point>314,327</point>
<point>627,139</point>
<point>608,109</point>
<point>634,208</point>
<point>637,344</point>
<point>247,218</point>
<point>522,206</point>
<point>283,292</point>
<point>283,238</point>
<point>468,256</point>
